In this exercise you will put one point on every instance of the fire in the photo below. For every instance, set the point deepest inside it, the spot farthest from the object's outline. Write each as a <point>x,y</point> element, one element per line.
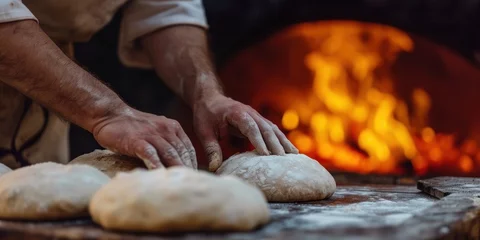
<point>346,94</point>
<point>352,120</point>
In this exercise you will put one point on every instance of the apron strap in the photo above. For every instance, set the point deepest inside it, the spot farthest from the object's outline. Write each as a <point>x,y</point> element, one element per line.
<point>18,154</point>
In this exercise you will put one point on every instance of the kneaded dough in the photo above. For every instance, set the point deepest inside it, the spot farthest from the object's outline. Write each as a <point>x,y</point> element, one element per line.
<point>288,178</point>
<point>48,191</point>
<point>109,162</point>
<point>4,169</point>
<point>178,199</point>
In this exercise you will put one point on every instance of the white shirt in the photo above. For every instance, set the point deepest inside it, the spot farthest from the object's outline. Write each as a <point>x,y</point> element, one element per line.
<point>14,10</point>
<point>140,17</point>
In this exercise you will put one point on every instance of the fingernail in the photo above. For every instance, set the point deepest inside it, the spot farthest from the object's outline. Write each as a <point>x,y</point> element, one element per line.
<point>149,164</point>
<point>214,163</point>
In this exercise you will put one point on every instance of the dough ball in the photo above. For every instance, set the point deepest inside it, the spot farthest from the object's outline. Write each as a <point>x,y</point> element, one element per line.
<point>289,178</point>
<point>178,199</point>
<point>48,191</point>
<point>4,169</point>
<point>109,162</point>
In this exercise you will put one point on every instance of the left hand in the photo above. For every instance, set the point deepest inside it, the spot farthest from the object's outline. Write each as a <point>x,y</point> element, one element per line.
<point>213,116</point>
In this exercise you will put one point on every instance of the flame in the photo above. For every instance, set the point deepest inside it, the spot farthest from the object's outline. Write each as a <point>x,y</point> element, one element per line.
<point>343,59</point>
<point>353,121</point>
<point>335,98</point>
<point>290,120</point>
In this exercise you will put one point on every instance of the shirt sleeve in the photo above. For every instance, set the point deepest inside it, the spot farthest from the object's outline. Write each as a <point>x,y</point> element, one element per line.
<point>142,17</point>
<point>14,10</point>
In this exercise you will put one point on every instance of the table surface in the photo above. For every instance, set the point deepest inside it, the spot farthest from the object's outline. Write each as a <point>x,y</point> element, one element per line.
<point>356,212</point>
<point>438,208</point>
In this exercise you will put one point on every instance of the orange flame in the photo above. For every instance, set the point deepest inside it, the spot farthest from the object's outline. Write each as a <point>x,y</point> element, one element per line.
<point>343,59</point>
<point>333,84</point>
<point>355,122</point>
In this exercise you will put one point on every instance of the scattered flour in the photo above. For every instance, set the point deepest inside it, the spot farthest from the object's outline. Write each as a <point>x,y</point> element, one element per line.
<point>372,212</point>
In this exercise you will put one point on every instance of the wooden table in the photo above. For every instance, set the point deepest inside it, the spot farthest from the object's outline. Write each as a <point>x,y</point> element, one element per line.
<point>443,208</point>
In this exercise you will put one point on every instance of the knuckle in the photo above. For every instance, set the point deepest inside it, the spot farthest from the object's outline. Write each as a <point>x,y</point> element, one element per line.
<point>268,131</point>
<point>162,119</point>
<point>170,153</point>
<point>145,150</point>
<point>250,127</point>
<point>176,144</point>
<point>192,152</point>
<point>211,149</point>
<point>186,155</point>
<point>239,115</point>
<point>174,124</point>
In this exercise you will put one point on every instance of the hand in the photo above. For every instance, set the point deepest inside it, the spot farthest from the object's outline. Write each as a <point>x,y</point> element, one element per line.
<point>157,140</point>
<point>214,115</point>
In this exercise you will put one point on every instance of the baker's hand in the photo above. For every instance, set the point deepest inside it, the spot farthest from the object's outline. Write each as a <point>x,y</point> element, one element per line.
<point>157,140</point>
<point>214,115</point>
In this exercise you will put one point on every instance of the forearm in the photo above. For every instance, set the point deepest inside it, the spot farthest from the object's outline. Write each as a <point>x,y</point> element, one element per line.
<point>31,63</point>
<point>181,58</point>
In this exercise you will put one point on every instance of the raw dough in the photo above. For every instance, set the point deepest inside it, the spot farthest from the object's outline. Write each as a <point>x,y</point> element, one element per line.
<point>4,169</point>
<point>288,178</point>
<point>109,162</point>
<point>178,199</point>
<point>48,191</point>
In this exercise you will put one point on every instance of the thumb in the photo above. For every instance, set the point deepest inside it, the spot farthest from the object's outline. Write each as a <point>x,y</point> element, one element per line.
<point>212,150</point>
<point>214,154</point>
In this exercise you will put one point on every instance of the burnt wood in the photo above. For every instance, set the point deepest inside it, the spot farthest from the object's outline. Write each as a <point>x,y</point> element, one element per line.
<point>369,211</point>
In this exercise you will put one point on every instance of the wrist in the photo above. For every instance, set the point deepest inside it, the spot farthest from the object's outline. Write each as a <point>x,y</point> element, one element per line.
<point>104,112</point>
<point>206,88</point>
<point>206,100</point>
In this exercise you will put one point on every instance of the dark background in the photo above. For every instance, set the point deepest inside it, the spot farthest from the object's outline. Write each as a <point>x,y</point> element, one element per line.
<point>235,24</point>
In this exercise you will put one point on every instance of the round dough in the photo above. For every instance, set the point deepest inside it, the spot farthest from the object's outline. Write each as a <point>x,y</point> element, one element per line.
<point>178,199</point>
<point>288,178</point>
<point>48,191</point>
<point>109,162</point>
<point>4,169</point>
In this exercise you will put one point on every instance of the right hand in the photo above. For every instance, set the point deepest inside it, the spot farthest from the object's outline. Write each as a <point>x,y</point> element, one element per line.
<point>157,140</point>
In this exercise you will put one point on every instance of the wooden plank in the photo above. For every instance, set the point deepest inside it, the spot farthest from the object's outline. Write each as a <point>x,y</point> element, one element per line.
<point>355,212</point>
<point>440,187</point>
<point>343,178</point>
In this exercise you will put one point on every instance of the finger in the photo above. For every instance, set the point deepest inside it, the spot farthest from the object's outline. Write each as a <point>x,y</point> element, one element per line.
<point>269,135</point>
<point>189,146</point>
<point>287,144</point>
<point>182,151</point>
<point>248,127</point>
<point>148,154</point>
<point>212,148</point>
<point>167,153</point>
